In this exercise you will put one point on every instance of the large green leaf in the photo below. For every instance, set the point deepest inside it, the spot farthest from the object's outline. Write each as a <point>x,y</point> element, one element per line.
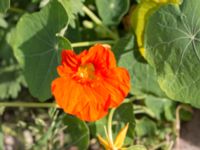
<point>36,47</point>
<point>4,5</point>
<point>143,76</point>
<point>173,48</point>
<point>112,11</point>
<point>77,132</point>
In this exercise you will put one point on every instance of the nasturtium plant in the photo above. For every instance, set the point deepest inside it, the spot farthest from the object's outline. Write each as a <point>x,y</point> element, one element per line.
<point>76,65</point>
<point>173,49</point>
<point>140,15</point>
<point>112,11</point>
<point>36,47</point>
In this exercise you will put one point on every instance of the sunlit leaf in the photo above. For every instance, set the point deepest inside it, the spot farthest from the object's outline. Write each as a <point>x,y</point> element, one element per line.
<point>173,49</point>
<point>140,16</point>
<point>36,47</point>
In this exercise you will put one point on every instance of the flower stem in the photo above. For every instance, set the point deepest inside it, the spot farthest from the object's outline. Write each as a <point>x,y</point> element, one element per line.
<point>96,20</point>
<point>27,104</point>
<point>89,43</point>
<point>110,117</point>
<point>139,109</point>
<point>16,10</point>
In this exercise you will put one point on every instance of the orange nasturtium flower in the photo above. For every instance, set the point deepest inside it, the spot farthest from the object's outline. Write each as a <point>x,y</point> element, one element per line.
<point>90,83</point>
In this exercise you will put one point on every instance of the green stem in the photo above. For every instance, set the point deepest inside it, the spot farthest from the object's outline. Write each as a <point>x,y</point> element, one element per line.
<point>138,109</point>
<point>89,43</point>
<point>27,104</point>
<point>110,117</point>
<point>16,10</point>
<point>94,18</point>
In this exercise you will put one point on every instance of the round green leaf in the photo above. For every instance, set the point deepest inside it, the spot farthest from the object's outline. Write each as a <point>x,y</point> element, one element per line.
<point>36,47</point>
<point>77,132</point>
<point>173,48</point>
<point>112,11</point>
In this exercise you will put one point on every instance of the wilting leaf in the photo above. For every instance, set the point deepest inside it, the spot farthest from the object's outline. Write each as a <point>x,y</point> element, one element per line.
<point>140,16</point>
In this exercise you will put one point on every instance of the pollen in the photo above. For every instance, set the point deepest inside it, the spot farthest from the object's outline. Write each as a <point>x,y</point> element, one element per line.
<point>86,71</point>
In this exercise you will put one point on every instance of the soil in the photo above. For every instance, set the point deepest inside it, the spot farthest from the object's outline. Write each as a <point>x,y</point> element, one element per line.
<point>190,133</point>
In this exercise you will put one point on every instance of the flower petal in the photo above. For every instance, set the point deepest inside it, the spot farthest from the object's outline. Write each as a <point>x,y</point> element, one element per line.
<point>117,84</point>
<point>119,141</point>
<point>103,142</point>
<point>83,101</point>
<point>101,56</point>
<point>70,59</point>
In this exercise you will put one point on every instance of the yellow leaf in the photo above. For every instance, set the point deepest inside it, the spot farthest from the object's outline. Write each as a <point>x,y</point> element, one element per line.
<point>140,16</point>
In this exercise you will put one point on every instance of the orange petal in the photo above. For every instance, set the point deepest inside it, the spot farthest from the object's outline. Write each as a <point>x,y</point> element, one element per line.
<point>101,57</point>
<point>95,104</point>
<point>83,101</point>
<point>70,59</point>
<point>119,141</point>
<point>117,83</point>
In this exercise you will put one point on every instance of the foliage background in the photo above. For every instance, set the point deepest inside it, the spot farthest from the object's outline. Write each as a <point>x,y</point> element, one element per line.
<point>32,35</point>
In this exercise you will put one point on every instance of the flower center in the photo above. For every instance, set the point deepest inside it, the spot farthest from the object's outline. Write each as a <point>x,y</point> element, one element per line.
<point>86,71</point>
